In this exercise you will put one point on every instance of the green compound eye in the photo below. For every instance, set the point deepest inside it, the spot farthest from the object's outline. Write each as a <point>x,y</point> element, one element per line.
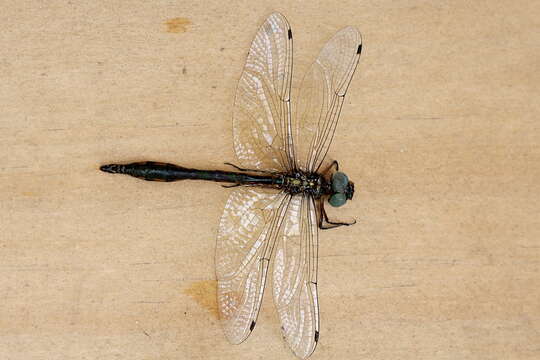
<point>339,182</point>
<point>337,199</point>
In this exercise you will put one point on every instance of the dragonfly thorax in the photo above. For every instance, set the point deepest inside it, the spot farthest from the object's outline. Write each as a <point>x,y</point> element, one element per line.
<point>306,183</point>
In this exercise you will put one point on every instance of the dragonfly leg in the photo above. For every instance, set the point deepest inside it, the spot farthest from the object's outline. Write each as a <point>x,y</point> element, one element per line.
<point>243,169</point>
<point>325,223</point>
<point>329,168</point>
<point>230,186</point>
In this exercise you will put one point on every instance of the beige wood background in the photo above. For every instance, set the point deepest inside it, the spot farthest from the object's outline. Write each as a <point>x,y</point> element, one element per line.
<point>440,133</point>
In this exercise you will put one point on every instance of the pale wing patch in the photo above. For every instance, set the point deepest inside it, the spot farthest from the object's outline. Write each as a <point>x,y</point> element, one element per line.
<point>247,230</point>
<point>261,119</point>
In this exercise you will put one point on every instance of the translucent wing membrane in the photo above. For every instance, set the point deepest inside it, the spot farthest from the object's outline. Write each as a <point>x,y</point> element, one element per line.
<point>247,232</point>
<point>259,223</point>
<point>261,123</point>
<point>321,97</point>
<point>295,276</point>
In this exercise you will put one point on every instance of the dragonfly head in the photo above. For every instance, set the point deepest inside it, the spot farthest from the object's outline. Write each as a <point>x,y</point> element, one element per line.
<point>342,188</point>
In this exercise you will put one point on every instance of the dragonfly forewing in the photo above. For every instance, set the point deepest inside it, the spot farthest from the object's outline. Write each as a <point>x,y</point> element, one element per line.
<point>321,97</point>
<point>295,276</point>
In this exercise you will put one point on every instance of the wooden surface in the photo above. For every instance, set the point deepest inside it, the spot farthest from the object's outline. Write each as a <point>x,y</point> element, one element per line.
<point>440,132</point>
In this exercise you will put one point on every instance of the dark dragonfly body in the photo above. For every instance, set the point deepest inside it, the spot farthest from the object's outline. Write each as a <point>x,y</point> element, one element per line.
<point>294,183</point>
<point>158,171</point>
<point>274,213</point>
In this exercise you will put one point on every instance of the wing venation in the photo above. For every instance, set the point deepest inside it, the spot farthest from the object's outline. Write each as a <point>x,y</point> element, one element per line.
<point>247,231</point>
<point>295,276</point>
<point>261,120</point>
<point>321,97</point>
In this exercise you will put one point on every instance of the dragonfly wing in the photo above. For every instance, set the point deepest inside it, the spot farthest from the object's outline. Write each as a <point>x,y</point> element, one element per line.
<point>261,121</point>
<point>295,276</point>
<point>247,232</point>
<point>321,97</point>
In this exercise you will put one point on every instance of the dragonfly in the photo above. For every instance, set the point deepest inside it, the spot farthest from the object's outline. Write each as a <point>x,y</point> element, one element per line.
<point>277,201</point>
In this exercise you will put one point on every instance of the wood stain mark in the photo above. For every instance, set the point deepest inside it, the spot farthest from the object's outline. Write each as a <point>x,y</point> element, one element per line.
<point>204,293</point>
<point>177,25</point>
<point>143,331</point>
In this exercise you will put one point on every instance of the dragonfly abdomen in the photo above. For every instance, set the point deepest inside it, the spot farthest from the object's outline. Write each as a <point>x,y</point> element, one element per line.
<point>158,171</point>
<point>149,170</point>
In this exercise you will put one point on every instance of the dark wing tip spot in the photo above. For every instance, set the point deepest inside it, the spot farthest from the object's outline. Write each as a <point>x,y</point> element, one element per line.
<point>316,336</point>
<point>289,34</point>
<point>359,50</point>
<point>252,326</point>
